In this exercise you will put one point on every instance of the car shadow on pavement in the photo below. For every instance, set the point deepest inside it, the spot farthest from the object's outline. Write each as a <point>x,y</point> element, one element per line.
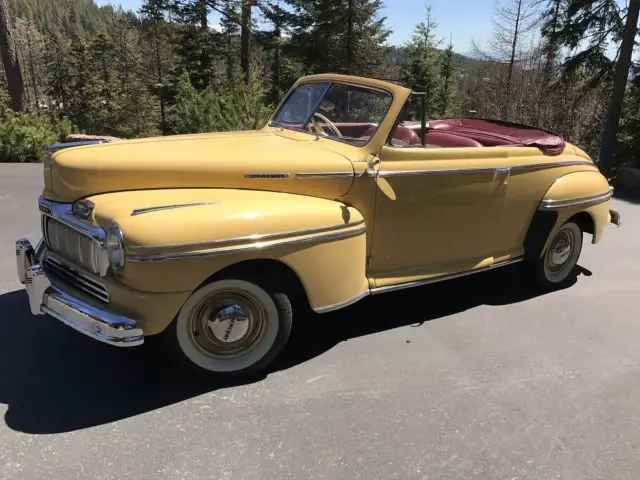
<point>55,380</point>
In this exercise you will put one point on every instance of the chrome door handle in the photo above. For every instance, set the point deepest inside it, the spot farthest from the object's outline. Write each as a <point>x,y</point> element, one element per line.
<point>507,173</point>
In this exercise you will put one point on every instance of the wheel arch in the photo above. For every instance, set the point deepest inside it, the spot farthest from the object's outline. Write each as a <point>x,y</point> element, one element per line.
<point>266,270</point>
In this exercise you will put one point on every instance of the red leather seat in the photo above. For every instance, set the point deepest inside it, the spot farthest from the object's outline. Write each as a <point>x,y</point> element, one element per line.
<point>442,139</point>
<point>406,135</point>
<point>409,137</point>
<point>401,136</point>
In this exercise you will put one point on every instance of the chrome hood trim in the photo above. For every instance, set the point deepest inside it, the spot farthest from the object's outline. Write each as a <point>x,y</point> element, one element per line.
<point>141,211</point>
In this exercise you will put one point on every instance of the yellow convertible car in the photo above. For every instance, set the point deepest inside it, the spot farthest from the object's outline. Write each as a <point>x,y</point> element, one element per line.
<point>214,241</point>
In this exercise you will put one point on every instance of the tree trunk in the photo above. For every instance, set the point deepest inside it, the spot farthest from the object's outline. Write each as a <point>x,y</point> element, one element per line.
<point>277,61</point>
<point>512,61</point>
<point>619,86</point>
<point>205,59</point>
<point>32,71</point>
<point>245,40</point>
<point>11,62</point>
<point>163,114</point>
<point>550,55</point>
<point>350,15</point>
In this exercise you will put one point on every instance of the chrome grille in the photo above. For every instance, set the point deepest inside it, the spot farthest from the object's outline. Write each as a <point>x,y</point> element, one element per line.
<point>76,279</point>
<point>70,244</point>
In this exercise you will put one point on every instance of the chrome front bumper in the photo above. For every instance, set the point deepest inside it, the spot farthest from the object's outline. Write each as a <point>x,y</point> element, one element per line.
<point>45,298</point>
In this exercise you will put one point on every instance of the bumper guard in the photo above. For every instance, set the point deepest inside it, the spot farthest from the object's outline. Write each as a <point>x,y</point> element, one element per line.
<point>45,298</point>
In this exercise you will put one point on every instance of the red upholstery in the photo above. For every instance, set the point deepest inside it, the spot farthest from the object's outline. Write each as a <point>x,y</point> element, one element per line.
<point>406,135</point>
<point>496,133</point>
<point>442,139</point>
<point>403,134</point>
<point>409,136</point>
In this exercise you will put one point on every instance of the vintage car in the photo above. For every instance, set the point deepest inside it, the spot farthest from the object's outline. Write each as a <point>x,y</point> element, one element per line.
<point>214,241</point>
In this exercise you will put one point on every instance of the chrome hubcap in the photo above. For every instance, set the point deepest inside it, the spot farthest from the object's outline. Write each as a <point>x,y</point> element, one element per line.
<point>227,324</point>
<point>560,250</point>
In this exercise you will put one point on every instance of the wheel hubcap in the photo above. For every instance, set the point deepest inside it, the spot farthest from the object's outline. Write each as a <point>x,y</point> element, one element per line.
<point>227,324</point>
<point>560,250</point>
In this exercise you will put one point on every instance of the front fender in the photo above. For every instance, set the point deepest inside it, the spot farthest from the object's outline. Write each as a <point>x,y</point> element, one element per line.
<point>176,239</point>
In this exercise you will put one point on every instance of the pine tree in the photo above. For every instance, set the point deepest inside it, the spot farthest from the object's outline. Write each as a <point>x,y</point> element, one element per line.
<point>345,36</point>
<point>57,64</point>
<point>153,12</point>
<point>448,90</point>
<point>273,41</point>
<point>197,43</point>
<point>422,70</point>
<point>599,22</point>
<point>245,37</point>
<point>230,23</point>
<point>628,146</point>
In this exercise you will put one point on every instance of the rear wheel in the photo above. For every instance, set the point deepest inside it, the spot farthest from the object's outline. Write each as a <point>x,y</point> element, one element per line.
<point>231,327</point>
<point>557,266</point>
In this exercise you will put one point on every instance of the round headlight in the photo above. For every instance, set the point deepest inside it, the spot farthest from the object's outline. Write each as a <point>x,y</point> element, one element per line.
<point>114,244</point>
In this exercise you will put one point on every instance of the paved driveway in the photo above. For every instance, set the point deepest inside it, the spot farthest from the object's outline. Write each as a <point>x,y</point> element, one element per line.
<point>474,378</point>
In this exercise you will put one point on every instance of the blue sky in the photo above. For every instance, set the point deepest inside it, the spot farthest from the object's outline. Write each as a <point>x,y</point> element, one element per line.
<point>463,20</point>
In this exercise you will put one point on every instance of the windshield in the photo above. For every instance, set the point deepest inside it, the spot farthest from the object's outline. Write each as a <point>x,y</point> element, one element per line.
<point>342,112</point>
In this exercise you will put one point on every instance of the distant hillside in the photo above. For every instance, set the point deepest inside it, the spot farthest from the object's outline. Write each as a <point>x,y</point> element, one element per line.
<point>69,18</point>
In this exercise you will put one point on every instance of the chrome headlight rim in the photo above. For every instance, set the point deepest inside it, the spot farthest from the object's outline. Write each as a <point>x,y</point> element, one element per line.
<point>114,246</point>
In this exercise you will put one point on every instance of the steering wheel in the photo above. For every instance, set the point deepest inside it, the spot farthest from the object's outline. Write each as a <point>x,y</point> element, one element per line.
<point>332,126</point>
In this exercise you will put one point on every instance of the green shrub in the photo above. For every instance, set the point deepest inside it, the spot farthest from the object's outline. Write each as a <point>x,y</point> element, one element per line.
<point>235,105</point>
<point>24,137</point>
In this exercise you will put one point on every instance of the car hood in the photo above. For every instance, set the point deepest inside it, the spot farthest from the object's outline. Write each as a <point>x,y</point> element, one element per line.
<point>270,159</point>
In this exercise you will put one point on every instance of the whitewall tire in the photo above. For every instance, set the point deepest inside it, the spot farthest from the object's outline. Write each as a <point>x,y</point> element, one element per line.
<point>231,327</point>
<point>557,266</point>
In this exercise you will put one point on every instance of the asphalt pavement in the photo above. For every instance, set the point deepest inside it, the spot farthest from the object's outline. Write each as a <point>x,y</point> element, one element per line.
<point>479,377</point>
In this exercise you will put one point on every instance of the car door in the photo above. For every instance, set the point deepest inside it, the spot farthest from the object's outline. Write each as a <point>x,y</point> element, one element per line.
<point>438,211</point>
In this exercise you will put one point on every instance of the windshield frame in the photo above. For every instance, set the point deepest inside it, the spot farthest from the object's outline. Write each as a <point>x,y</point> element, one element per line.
<point>330,84</point>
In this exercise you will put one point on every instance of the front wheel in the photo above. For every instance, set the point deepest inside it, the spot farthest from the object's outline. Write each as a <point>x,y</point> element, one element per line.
<point>231,327</point>
<point>557,266</point>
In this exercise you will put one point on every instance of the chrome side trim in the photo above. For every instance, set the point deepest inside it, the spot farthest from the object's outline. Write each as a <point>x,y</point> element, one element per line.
<point>140,211</point>
<point>344,304</point>
<point>247,238</point>
<point>542,166</point>
<point>588,201</point>
<point>260,245</point>
<point>442,278</point>
<point>450,171</point>
<point>266,175</point>
<point>306,175</point>
<point>483,170</point>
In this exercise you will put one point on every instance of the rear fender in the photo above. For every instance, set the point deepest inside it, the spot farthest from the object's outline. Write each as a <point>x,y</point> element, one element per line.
<point>586,193</point>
